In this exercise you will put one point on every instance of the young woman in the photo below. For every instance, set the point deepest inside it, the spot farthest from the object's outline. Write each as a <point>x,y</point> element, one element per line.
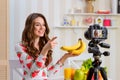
<point>35,49</point>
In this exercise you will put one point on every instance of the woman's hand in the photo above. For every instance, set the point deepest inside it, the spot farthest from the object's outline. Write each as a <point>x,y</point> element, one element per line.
<point>70,55</point>
<point>67,55</point>
<point>49,45</point>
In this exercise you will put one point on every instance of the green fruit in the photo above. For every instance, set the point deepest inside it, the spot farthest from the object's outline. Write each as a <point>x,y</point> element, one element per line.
<point>79,75</point>
<point>82,68</point>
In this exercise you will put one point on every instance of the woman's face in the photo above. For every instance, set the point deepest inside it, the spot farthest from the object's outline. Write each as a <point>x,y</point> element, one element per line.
<point>39,27</point>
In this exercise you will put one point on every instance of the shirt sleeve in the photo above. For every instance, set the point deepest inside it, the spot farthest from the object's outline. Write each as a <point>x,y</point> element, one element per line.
<point>53,69</point>
<point>31,65</point>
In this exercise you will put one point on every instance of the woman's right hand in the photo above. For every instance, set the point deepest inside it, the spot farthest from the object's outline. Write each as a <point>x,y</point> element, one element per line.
<point>49,45</point>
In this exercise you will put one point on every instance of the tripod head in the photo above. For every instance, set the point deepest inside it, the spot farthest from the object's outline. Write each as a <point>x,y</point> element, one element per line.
<point>93,47</point>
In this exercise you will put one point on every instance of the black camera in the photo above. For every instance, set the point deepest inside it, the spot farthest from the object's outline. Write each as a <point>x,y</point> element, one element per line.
<point>96,32</point>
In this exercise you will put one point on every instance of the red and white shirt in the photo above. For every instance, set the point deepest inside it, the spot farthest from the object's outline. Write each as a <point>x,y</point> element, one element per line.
<point>35,69</point>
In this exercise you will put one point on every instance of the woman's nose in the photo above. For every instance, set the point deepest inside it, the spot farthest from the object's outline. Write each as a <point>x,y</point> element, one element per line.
<point>41,27</point>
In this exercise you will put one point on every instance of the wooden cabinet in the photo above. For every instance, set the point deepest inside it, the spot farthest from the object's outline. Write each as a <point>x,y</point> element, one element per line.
<point>4,40</point>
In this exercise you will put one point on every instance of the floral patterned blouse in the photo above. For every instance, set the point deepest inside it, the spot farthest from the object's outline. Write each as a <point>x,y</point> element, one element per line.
<point>35,69</point>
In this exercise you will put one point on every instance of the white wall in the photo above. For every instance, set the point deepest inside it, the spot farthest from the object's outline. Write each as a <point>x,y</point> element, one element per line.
<point>54,11</point>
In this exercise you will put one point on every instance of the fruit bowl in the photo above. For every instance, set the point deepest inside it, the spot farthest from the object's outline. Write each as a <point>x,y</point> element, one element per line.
<point>103,12</point>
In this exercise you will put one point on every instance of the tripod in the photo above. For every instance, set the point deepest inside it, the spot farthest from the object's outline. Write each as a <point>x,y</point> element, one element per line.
<point>95,70</point>
<point>97,62</point>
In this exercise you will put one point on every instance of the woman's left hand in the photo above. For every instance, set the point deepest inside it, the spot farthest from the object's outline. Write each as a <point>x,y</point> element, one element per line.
<point>71,55</point>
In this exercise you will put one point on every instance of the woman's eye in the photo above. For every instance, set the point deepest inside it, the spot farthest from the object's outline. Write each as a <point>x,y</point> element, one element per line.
<point>37,24</point>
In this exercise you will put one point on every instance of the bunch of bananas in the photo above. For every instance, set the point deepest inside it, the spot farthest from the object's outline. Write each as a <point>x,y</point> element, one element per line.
<point>77,48</point>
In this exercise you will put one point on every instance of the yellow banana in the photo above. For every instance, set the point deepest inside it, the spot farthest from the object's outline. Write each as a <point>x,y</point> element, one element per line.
<point>72,47</point>
<point>80,49</point>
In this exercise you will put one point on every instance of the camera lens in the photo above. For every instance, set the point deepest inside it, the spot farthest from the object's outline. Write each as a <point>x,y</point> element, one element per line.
<point>87,36</point>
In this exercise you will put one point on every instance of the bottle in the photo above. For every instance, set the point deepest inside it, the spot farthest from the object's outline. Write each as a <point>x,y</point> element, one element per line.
<point>65,21</point>
<point>73,21</point>
<point>67,71</point>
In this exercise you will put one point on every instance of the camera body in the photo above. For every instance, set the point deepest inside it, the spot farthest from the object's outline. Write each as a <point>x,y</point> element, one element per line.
<point>96,32</point>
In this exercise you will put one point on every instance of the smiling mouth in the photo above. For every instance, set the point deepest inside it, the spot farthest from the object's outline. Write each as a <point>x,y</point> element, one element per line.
<point>41,32</point>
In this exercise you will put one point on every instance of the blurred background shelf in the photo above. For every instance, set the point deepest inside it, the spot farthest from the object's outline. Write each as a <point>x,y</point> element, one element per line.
<point>79,27</point>
<point>91,14</point>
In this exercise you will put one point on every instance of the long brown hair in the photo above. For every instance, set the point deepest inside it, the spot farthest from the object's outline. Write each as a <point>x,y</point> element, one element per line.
<point>28,37</point>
